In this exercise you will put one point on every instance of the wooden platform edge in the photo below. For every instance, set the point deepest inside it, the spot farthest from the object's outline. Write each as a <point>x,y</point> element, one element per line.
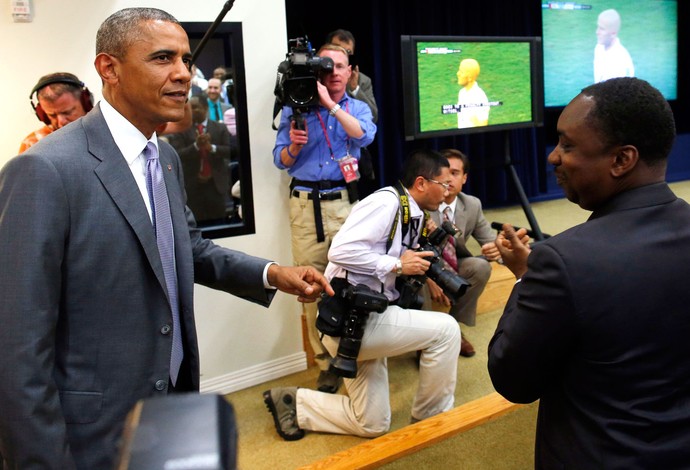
<point>404,441</point>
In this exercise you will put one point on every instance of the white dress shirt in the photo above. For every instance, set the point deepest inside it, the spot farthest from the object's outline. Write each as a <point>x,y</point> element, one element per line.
<point>131,143</point>
<point>360,245</point>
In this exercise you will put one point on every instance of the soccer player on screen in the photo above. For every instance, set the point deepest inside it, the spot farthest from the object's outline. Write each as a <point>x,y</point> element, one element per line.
<point>611,58</point>
<point>474,105</point>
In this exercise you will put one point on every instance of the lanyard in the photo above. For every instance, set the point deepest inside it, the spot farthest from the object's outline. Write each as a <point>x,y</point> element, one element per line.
<point>325,133</point>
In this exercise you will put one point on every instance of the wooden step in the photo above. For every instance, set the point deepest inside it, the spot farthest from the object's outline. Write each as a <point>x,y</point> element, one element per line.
<point>497,290</point>
<point>412,438</point>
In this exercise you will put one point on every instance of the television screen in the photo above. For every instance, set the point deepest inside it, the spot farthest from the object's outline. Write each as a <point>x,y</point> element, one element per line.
<point>457,85</point>
<point>588,42</point>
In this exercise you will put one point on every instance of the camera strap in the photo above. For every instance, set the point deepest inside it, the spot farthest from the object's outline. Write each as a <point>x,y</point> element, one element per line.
<point>405,211</point>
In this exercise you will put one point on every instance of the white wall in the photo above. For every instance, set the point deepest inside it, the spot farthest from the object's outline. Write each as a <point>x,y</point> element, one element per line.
<point>241,343</point>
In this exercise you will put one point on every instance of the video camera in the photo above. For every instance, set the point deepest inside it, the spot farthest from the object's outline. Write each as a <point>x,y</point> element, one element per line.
<point>298,74</point>
<point>453,285</point>
<point>345,315</point>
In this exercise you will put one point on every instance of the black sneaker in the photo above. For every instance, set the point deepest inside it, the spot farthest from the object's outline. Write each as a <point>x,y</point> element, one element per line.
<point>282,403</point>
<point>328,382</point>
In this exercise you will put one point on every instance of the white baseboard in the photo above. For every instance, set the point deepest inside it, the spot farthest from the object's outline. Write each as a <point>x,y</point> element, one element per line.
<point>255,375</point>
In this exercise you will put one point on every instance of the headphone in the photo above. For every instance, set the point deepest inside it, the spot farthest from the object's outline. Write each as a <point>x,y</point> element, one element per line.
<point>86,97</point>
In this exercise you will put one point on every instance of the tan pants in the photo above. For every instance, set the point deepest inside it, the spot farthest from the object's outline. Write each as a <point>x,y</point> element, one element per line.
<point>474,270</point>
<point>365,410</point>
<point>306,251</point>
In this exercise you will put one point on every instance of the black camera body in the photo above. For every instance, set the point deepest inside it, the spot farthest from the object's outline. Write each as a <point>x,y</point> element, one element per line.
<point>298,74</point>
<point>345,315</point>
<point>453,285</point>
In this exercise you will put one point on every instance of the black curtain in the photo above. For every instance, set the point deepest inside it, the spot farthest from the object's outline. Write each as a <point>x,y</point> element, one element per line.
<point>377,26</point>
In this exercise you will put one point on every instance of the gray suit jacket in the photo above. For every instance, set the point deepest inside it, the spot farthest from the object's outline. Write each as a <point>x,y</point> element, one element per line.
<point>366,94</point>
<point>85,314</point>
<point>470,221</point>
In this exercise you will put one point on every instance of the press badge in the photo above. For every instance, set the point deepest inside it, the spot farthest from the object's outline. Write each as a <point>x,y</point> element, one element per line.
<point>349,168</point>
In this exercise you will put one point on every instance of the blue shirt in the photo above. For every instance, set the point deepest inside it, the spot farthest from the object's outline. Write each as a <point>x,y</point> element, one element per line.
<point>314,161</point>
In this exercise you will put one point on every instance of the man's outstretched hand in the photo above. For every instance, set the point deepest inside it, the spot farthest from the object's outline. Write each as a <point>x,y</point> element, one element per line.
<point>303,281</point>
<point>514,249</point>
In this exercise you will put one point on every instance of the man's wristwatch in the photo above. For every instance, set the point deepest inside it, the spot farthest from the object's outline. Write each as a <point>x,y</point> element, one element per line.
<point>334,109</point>
<point>398,267</point>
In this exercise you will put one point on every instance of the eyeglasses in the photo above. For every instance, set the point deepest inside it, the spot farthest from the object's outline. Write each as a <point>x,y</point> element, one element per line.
<point>446,186</point>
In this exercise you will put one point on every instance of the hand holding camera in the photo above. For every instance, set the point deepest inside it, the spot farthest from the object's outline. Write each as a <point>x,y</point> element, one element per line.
<point>415,263</point>
<point>453,286</point>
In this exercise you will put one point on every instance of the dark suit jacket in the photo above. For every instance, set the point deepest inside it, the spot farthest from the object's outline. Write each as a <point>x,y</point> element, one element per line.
<point>597,330</point>
<point>183,142</point>
<point>470,221</point>
<point>85,314</point>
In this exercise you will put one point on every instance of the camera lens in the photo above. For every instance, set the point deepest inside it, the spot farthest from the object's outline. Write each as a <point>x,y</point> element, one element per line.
<point>301,91</point>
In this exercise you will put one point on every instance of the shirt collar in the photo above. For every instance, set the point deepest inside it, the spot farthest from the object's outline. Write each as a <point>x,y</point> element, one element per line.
<point>127,137</point>
<point>443,206</point>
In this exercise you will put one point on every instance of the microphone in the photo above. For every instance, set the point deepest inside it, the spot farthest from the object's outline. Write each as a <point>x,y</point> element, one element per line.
<point>499,226</point>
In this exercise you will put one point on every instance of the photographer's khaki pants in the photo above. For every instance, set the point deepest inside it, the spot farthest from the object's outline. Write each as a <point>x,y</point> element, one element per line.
<point>365,410</point>
<point>306,251</point>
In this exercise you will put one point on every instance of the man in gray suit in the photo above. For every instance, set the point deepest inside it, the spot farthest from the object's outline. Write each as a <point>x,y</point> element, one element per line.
<point>465,212</point>
<point>87,325</point>
<point>597,325</point>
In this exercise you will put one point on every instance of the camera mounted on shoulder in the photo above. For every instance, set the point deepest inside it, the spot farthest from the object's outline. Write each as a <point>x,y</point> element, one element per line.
<point>297,77</point>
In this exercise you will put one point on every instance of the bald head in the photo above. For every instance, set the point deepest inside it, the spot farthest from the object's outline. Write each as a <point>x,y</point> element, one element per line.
<point>468,71</point>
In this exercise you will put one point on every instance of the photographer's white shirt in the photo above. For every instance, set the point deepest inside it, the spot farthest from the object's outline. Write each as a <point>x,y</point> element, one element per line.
<point>358,250</point>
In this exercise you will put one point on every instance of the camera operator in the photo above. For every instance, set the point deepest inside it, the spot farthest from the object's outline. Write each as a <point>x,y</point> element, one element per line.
<point>320,158</point>
<point>362,254</point>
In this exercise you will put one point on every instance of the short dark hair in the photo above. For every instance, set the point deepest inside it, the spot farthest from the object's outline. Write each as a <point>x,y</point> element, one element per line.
<point>342,34</point>
<point>203,99</point>
<point>455,153</point>
<point>425,163</point>
<point>630,111</point>
<point>52,86</point>
<point>122,29</point>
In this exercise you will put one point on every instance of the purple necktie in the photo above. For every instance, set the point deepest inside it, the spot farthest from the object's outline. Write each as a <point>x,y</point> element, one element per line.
<point>449,254</point>
<point>162,225</point>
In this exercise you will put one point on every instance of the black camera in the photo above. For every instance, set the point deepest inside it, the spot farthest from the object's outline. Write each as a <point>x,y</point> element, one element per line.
<point>453,285</point>
<point>345,315</point>
<point>298,74</point>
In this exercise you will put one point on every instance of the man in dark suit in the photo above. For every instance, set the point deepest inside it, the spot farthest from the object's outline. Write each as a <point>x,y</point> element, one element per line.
<point>205,149</point>
<point>87,324</point>
<point>597,326</point>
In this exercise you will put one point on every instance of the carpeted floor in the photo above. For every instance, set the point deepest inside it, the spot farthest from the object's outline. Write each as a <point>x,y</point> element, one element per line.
<point>260,447</point>
<point>503,444</point>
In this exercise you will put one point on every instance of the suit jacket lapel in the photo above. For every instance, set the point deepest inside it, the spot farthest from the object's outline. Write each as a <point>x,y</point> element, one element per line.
<point>117,179</point>
<point>460,216</point>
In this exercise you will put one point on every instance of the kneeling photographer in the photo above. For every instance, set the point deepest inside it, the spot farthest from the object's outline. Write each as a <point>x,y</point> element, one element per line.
<point>379,244</point>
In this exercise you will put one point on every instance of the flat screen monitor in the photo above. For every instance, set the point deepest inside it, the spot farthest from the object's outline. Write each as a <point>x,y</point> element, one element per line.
<point>588,42</point>
<point>459,84</point>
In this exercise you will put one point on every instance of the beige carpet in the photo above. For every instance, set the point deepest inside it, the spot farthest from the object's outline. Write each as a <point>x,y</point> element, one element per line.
<point>506,443</point>
<point>260,447</point>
